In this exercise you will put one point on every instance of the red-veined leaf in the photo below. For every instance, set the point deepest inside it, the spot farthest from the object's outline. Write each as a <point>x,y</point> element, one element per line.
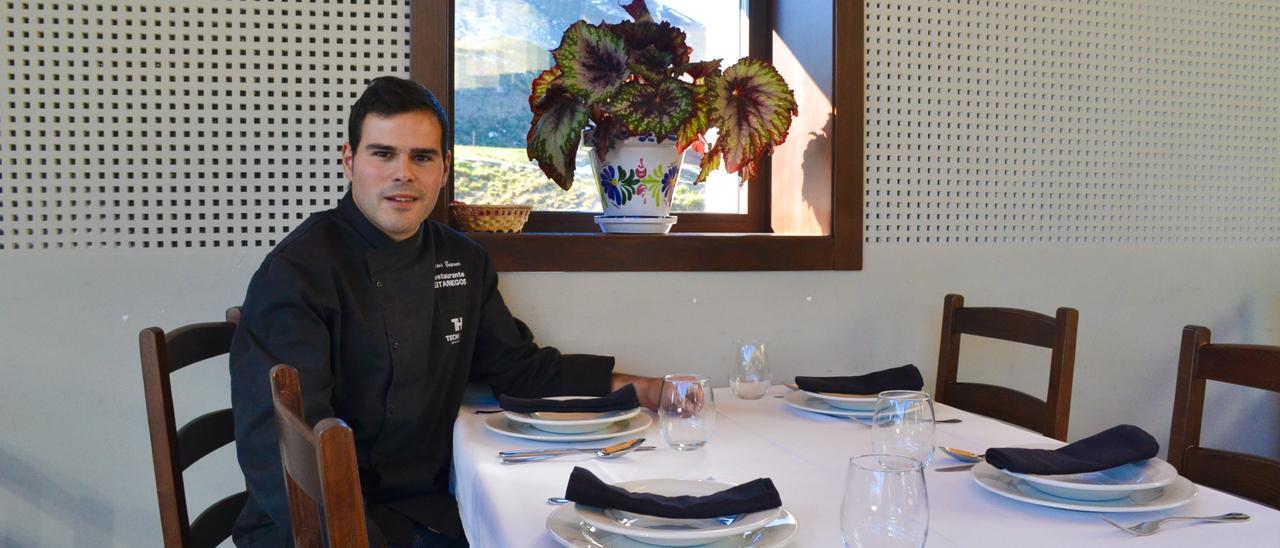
<point>710,162</point>
<point>664,37</point>
<point>638,10</point>
<point>554,135</point>
<point>753,109</point>
<point>650,64</point>
<point>658,108</point>
<point>700,70</point>
<point>592,60</point>
<point>541,84</point>
<point>695,126</point>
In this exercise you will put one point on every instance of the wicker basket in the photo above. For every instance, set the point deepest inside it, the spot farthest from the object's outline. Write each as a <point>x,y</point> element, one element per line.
<point>490,218</point>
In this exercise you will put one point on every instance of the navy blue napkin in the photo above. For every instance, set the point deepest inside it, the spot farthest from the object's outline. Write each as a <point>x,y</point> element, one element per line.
<point>905,377</point>
<point>622,399</point>
<point>753,496</point>
<point>1107,449</point>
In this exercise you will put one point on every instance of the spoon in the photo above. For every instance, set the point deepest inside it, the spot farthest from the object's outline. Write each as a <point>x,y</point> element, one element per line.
<point>611,452</point>
<point>961,454</point>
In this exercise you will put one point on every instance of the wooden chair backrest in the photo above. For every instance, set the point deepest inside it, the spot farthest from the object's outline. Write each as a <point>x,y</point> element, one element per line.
<point>1049,416</point>
<point>1251,365</point>
<point>320,472</point>
<point>174,449</point>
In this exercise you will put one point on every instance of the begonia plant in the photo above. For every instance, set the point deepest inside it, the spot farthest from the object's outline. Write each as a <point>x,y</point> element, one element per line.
<point>636,78</point>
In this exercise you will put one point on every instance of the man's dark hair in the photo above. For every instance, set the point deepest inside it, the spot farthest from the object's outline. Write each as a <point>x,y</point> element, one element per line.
<point>388,96</point>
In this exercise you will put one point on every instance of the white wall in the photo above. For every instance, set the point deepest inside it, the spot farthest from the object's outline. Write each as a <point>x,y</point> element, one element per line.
<point>75,465</point>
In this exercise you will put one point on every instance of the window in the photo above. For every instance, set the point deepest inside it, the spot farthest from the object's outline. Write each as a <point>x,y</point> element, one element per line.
<point>806,216</point>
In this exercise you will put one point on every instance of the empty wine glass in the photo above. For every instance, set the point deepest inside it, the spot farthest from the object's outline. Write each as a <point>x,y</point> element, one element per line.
<point>751,375</point>
<point>886,504</point>
<point>903,425</point>
<point>686,411</point>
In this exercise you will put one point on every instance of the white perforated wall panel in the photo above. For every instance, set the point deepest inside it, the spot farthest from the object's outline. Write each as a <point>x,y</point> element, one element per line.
<point>1082,122</point>
<point>156,124</point>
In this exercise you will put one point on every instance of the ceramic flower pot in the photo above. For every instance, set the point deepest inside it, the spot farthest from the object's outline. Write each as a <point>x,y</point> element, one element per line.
<point>636,181</point>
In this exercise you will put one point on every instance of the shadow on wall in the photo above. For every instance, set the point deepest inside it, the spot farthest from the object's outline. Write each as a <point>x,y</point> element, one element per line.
<point>57,498</point>
<point>816,164</point>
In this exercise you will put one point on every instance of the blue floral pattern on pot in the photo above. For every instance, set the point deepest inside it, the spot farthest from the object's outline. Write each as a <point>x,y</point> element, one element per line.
<point>617,184</point>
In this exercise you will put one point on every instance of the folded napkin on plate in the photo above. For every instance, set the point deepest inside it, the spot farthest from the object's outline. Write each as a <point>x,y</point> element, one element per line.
<point>753,496</point>
<point>905,377</point>
<point>621,399</point>
<point>1107,449</point>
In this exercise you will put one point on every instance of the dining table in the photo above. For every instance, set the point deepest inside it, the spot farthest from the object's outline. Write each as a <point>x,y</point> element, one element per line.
<point>806,455</point>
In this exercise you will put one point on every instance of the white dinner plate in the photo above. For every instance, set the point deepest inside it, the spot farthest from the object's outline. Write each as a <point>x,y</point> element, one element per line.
<point>802,400</point>
<point>569,530</point>
<point>1173,495</point>
<point>571,423</point>
<point>671,532</point>
<point>502,425</point>
<point>1112,483</point>
<point>847,402</point>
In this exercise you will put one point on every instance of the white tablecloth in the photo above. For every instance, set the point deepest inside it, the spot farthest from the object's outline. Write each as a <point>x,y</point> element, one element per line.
<point>806,456</point>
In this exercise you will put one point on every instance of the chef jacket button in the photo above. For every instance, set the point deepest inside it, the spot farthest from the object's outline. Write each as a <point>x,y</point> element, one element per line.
<point>395,346</point>
<point>377,284</point>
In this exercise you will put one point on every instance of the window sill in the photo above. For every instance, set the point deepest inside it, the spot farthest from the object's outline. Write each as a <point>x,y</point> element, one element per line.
<point>685,251</point>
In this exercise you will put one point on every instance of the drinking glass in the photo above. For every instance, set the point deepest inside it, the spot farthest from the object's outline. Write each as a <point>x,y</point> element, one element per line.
<point>686,411</point>
<point>885,503</point>
<point>751,375</point>
<point>903,425</point>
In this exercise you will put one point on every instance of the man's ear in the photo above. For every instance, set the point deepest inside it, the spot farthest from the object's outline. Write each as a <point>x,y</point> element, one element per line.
<point>448,164</point>
<point>348,160</point>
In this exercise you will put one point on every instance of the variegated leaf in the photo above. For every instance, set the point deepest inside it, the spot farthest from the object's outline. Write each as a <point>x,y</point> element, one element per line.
<point>693,128</point>
<point>650,64</point>
<point>657,108</point>
<point>664,37</point>
<point>638,10</point>
<point>753,109</point>
<point>701,70</point>
<point>710,162</point>
<point>554,135</point>
<point>541,84</point>
<point>593,61</point>
<point>604,136</point>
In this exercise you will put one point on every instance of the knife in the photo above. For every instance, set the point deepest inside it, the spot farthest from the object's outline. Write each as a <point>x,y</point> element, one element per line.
<point>960,468</point>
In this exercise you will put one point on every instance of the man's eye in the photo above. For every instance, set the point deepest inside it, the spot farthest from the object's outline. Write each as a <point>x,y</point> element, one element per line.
<point>422,158</point>
<point>382,154</point>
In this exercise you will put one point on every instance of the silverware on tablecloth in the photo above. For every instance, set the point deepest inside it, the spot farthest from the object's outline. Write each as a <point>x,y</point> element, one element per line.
<point>963,455</point>
<point>959,468</point>
<point>1150,527</point>
<point>611,452</point>
<point>520,452</point>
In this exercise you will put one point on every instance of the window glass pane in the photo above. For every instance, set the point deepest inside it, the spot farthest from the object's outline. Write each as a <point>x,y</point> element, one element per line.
<point>501,45</point>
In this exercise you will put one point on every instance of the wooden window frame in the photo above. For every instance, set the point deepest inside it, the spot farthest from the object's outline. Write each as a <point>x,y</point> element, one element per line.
<point>759,240</point>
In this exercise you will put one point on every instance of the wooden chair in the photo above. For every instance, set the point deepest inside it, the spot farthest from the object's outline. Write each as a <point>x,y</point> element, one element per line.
<point>173,450</point>
<point>1048,416</point>
<point>1255,366</point>
<point>320,473</point>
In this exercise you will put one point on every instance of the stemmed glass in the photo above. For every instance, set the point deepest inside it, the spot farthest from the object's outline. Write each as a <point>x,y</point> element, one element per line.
<point>751,375</point>
<point>903,425</point>
<point>686,411</point>
<point>886,504</point>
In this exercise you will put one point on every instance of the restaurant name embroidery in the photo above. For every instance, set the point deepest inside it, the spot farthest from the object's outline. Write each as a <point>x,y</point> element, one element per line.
<point>450,279</point>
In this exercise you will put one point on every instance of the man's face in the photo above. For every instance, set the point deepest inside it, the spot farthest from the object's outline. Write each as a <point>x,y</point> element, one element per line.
<point>397,173</point>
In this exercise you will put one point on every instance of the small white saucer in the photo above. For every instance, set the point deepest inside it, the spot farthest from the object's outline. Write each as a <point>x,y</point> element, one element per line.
<point>569,530</point>
<point>636,225</point>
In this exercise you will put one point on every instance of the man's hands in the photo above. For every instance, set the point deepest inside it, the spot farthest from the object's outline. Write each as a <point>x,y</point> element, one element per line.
<point>648,389</point>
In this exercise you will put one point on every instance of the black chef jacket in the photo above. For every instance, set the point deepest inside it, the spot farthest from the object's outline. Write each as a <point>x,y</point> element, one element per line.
<point>385,335</point>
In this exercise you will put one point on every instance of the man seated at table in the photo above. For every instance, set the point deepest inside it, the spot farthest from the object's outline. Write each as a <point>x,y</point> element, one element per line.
<point>387,316</point>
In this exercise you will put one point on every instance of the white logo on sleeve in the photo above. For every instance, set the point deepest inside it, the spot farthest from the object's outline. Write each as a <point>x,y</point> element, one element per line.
<point>453,338</point>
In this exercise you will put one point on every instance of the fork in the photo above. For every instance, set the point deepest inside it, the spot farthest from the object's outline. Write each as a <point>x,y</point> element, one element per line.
<point>1150,527</point>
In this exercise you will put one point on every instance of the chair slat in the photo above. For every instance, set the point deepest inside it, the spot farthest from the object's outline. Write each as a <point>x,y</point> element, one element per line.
<point>1250,476</point>
<point>203,435</point>
<point>998,402</point>
<point>1251,365</point>
<point>213,526</point>
<point>298,451</point>
<point>1007,324</point>
<point>198,342</point>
